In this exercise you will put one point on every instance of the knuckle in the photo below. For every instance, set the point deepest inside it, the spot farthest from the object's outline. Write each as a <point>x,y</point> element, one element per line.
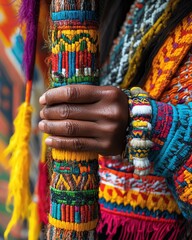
<point>48,97</point>
<point>73,93</point>
<point>48,128</point>
<point>46,112</point>
<point>109,130</point>
<point>71,128</point>
<point>78,144</point>
<point>115,94</point>
<point>64,111</point>
<point>106,145</point>
<point>114,129</point>
<point>116,113</point>
<point>59,143</point>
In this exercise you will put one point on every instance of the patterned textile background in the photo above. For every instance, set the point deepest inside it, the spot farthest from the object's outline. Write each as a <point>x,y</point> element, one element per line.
<point>12,84</point>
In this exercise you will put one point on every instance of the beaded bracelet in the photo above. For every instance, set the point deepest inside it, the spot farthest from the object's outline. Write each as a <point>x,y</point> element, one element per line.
<point>139,135</point>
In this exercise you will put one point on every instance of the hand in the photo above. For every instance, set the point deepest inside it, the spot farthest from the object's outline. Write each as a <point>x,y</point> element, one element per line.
<point>85,118</point>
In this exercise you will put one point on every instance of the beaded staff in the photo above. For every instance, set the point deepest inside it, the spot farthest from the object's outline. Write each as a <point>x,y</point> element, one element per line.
<point>74,60</point>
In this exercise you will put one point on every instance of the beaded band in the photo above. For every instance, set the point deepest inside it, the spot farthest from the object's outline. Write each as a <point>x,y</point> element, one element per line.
<point>139,137</point>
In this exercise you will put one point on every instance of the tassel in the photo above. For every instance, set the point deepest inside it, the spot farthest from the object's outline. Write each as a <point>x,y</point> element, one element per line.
<point>39,206</point>
<point>18,191</point>
<point>29,13</point>
<point>18,188</point>
<point>3,158</point>
<point>43,185</point>
<point>34,221</point>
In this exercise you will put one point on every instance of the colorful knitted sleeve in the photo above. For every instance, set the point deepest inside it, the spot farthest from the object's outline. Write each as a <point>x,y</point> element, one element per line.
<point>171,153</point>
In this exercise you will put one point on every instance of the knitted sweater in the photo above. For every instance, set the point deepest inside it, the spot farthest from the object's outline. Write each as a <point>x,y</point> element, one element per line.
<point>159,205</point>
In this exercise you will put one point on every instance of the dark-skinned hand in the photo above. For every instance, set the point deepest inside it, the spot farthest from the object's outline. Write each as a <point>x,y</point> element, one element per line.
<point>85,118</point>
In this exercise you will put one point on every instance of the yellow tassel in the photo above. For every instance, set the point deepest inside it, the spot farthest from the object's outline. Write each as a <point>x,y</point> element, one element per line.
<point>43,148</point>
<point>18,190</point>
<point>3,158</point>
<point>33,220</point>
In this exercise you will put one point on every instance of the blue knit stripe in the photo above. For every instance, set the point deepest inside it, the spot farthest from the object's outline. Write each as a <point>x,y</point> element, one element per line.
<point>74,15</point>
<point>174,154</point>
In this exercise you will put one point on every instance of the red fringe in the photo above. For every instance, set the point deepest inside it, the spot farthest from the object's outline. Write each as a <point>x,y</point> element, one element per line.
<point>135,229</point>
<point>43,193</point>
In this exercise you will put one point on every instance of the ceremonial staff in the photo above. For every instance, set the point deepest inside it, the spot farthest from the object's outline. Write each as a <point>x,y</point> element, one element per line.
<point>74,60</point>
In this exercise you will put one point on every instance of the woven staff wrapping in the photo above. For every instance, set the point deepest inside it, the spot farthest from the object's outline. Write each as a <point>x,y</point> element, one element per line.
<point>74,60</point>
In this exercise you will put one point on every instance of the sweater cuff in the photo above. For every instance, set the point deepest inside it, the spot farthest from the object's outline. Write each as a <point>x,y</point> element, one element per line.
<point>171,130</point>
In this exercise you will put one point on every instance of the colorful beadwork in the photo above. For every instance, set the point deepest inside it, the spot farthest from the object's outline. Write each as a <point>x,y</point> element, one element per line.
<point>74,60</point>
<point>139,142</point>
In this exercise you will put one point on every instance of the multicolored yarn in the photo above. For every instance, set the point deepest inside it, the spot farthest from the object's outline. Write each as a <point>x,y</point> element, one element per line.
<point>169,57</point>
<point>133,37</point>
<point>154,206</point>
<point>175,147</point>
<point>140,131</point>
<point>161,125</point>
<point>183,181</point>
<point>74,60</point>
<point>179,90</point>
<point>131,202</point>
<point>123,190</point>
<point>134,61</point>
<point>74,39</point>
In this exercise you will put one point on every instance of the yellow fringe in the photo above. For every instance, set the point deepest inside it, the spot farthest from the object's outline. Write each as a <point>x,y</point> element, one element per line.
<point>3,158</point>
<point>43,148</point>
<point>18,190</point>
<point>34,224</point>
<point>159,24</point>
<point>73,156</point>
<point>78,227</point>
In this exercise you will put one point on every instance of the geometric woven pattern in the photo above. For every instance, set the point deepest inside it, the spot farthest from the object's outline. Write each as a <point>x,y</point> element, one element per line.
<point>73,60</point>
<point>170,56</point>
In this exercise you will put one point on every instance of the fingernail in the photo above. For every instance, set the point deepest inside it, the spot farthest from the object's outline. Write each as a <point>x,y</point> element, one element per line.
<point>48,141</point>
<point>42,100</point>
<point>41,125</point>
<point>42,114</point>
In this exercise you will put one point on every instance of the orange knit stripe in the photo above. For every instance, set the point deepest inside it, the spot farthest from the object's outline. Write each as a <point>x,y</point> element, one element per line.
<point>180,87</point>
<point>169,57</point>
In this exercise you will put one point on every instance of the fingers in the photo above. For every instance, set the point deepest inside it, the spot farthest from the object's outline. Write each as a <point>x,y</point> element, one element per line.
<point>71,94</point>
<point>69,111</point>
<point>81,145</point>
<point>73,144</point>
<point>69,128</point>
